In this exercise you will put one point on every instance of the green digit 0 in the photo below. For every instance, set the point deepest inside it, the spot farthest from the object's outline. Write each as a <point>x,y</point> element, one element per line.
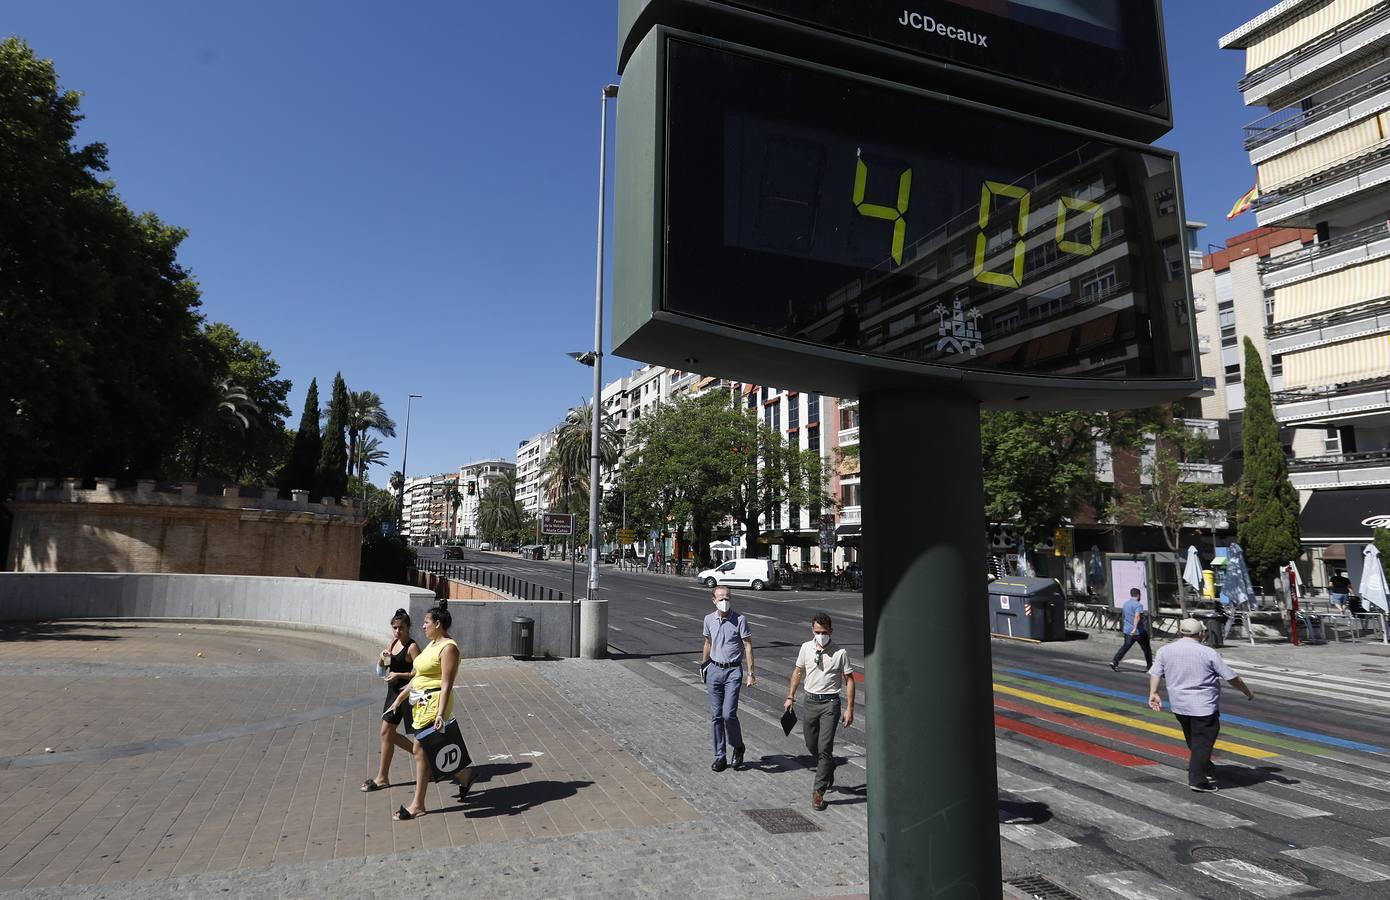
<point>1082,206</point>
<point>987,193</point>
<point>875,211</point>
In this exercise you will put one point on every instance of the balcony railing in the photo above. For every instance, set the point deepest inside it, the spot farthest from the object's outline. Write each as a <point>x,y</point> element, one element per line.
<point>1201,473</point>
<point>1371,396</point>
<point>1369,317</point>
<point>1323,177</point>
<point>849,436</point>
<point>851,515</point>
<point>1290,119</point>
<point>1341,461</point>
<point>1351,240</point>
<point>1318,45</point>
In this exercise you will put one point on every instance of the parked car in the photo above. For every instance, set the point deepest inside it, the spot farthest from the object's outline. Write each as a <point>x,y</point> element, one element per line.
<point>485,546</point>
<point>754,573</point>
<point>453,553</point>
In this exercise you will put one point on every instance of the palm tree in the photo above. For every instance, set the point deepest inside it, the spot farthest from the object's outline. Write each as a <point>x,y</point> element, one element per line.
<point>365,413</point>
<point>498,511</point>
<point>370,453</point>
<point>572,442</point>
<point>454,499</point>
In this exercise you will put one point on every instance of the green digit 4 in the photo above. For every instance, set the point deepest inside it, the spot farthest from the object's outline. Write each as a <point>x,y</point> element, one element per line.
<point>889,213</point>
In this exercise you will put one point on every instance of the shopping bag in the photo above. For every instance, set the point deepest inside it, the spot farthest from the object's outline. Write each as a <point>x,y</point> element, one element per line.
<point>788,720</point>
<point>444,748</point>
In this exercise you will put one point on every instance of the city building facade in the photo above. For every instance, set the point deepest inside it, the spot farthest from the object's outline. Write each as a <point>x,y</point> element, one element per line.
<point>474,479</point>
<point>1321,70</point>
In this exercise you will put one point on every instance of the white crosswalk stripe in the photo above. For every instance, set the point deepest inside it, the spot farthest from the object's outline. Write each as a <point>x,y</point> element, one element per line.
<point>1116,824</point>
<point>1252,878</point>
<point>1034,837</point>
<point>1138,886</point>
<point>1298,763</point>
<point>1120,787</point>
<point>1343,863</point>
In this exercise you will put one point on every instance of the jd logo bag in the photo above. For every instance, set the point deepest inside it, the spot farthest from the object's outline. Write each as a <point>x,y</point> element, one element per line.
<point>444,748</point>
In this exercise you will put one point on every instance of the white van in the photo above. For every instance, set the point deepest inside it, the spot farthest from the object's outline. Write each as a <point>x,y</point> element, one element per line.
<point>754,573</point>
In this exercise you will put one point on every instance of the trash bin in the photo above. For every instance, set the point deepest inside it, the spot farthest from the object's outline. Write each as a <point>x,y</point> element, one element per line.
<point>1215,624</point>
<point>1032,608</point>
<point>523,637</point>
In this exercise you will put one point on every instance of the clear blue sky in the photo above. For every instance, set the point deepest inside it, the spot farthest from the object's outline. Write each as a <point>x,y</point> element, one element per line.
<point>407,192</point>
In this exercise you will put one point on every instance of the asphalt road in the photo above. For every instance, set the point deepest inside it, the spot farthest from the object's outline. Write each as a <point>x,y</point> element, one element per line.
<point>1092,784</point>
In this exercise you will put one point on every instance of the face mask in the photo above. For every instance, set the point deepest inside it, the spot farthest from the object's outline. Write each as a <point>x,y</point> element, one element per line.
<point>722,606</point>
<point>822,639</point>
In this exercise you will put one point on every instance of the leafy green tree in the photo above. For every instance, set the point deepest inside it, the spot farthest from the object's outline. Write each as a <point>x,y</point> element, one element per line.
<point>1267,506</point>
<point>682,465</point>
<point>1039,468</point>
<point>331,480</point>
<point>102,361</point>
<point>299,473</point>
<point>454,499</point>
<point>242,437</point>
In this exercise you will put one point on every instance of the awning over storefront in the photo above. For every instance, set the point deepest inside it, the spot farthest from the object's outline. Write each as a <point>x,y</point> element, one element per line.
<point>1346,516</point>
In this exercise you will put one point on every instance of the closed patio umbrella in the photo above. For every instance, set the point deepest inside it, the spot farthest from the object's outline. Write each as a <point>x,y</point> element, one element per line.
<point>1372,588</point>
<point>1192,572</point>
<point>1236,588</point>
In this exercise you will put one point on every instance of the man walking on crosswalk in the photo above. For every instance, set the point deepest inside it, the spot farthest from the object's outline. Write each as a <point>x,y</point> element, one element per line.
<point>1193,674</point>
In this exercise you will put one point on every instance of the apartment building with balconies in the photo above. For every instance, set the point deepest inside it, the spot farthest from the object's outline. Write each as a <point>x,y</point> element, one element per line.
<point>530,481</point>
<point>1321,71</point>
<point>474,479</point>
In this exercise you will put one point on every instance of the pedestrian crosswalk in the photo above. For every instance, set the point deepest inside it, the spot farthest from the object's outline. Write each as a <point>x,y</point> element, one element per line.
<point>1083,764</point>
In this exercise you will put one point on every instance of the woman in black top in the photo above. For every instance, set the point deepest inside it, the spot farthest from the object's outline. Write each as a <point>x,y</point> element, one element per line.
<point>398,659</point>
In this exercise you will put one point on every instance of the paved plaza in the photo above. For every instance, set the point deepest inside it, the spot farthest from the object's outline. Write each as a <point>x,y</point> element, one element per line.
<point>153,760</point>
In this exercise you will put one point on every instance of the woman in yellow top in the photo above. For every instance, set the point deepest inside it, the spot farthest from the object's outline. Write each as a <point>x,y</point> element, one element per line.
<point>431,695</point>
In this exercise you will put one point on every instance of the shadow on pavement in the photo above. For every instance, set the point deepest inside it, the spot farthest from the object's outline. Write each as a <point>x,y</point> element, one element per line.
<point>510,800</point>
<point>54,631</point>
<point>1242,776</point>
<point>484,772</point>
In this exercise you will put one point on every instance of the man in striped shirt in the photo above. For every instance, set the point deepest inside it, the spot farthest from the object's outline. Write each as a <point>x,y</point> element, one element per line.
<point>1193,673</point>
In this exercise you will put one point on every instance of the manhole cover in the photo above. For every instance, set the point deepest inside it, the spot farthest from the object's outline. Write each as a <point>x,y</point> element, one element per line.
<point>1277,866</point>
<point>1041,888</point>
<point>781,821</point>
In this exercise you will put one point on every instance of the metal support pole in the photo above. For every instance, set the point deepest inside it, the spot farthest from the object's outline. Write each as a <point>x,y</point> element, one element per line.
<point>596,419</point>
<point>405,455</point>
<point>933,792</point>
<point>574,601</point>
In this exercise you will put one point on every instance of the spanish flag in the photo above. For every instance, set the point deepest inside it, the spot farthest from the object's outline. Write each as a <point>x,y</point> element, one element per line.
<point>1245,202</point>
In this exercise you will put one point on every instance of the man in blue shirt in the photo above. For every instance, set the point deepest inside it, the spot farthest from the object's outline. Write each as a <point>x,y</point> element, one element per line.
<point>1136,626</point>
<point>728,648</point>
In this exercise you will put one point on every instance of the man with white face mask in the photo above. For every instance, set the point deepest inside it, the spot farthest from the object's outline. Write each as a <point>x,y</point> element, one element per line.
<point>728,648</point>
<point>826,669</point>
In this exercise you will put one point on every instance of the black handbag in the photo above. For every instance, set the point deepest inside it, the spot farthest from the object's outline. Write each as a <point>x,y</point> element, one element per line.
<point>444,748</point>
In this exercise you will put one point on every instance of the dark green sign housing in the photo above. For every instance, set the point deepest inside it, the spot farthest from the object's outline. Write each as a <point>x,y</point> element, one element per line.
<point>787,223</point>
<point>1095,63</point>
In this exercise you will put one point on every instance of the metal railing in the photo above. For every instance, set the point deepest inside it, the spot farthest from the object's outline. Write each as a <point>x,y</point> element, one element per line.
<point>1337,244</point>
<point>1366,309</point>
<point>1340,460</point>
<point>1300,395</point>
<point>1353,166</point>
<point>500,582</point>
<point>1291,118</point>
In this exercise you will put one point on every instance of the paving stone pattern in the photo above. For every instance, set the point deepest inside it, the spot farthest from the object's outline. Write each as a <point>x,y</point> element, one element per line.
<point>248,806</point>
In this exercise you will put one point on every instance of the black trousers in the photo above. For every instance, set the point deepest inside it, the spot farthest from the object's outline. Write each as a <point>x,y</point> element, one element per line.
<point>1142,639</point>
<point>1200,732</point>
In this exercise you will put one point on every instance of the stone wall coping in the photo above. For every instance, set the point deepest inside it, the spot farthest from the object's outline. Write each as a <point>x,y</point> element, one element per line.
<point>146,493</point>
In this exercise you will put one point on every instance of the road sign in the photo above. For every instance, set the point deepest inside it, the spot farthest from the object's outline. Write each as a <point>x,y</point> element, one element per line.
<point>627,536</point>
<point>1063,542</point>
<point>827,539</point>
<point>1033,281</point>
<point>557,523</point>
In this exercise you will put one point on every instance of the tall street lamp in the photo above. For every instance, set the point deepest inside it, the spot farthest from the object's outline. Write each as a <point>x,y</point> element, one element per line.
<point>405,455</point>
<point>595,536</point>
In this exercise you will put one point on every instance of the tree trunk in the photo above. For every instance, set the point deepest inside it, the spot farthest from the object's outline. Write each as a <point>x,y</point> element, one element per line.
<point>751,533</point>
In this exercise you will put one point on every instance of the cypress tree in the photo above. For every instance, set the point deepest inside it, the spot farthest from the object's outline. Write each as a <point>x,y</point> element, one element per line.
<point>1267,509</point>
<point>332,470</point>
<point>299,473</point>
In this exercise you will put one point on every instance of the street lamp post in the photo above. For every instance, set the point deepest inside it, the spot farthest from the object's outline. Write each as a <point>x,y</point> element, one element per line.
<point>405,455</point>
<point>595,536</point>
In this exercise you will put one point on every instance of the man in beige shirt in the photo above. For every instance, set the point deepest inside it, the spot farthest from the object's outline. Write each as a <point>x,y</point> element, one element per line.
<point>825,669</point>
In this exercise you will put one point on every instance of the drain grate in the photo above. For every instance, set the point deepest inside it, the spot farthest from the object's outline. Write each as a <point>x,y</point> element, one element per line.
<point>782,821</point>
<point>1277,866</point>
<point>1041,888</point>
